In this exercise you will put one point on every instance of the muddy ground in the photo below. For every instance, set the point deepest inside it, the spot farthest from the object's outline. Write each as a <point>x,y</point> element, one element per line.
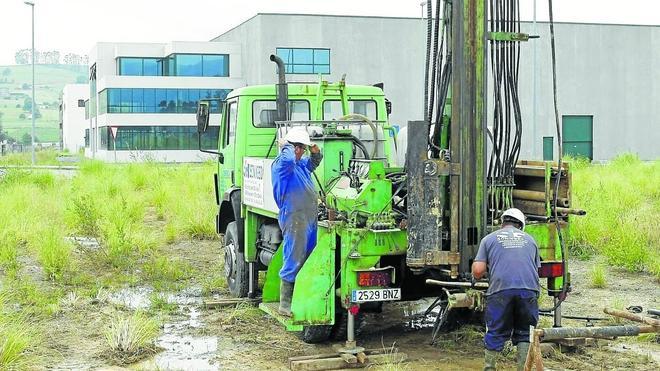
<point>195,337</point>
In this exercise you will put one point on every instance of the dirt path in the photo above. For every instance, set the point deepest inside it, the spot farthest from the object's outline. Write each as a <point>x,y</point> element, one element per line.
<point>197,338</point>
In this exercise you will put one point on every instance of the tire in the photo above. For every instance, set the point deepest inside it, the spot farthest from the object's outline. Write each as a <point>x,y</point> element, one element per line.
<point>316,334</point>
<point>236,269</point>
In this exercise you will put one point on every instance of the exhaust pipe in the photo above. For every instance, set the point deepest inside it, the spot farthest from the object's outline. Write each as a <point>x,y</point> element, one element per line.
<point>282,89</point>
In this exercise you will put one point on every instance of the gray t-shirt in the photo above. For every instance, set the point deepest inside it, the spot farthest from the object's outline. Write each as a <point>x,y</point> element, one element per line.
<point>513,260</point>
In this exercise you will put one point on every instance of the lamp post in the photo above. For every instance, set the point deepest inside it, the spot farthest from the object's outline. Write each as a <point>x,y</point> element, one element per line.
<point>31,4</point>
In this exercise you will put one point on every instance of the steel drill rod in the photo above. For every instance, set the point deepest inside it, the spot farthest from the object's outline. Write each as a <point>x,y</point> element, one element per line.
<point>481,285</point>
<point>632,317</point>
<point>524,194</point>
<point>594,332</point>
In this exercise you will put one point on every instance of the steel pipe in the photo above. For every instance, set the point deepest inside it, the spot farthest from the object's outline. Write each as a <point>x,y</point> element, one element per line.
<point>479,285</point>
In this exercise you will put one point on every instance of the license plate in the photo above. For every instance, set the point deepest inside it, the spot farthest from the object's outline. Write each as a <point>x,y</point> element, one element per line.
<point>362,296</point>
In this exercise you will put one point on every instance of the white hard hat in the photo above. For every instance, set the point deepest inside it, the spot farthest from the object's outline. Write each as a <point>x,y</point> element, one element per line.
<point>298,135</point>
<point>515,214</point>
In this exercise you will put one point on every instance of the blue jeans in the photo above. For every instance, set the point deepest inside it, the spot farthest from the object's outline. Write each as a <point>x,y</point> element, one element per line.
<point>509,313</point>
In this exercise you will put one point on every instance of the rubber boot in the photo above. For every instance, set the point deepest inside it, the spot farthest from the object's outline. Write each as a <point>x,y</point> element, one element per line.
<point>286,291</point>
<point>490,360</point>
<point>523,349</point>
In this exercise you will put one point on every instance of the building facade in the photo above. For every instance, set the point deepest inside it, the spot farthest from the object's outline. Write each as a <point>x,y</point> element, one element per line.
<point>143,98</point>
<point>607,75</point>
<point>73,121</point>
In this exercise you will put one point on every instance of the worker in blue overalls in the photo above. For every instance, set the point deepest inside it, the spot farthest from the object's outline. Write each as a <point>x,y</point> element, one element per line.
<point>511,257</point>
<point>297,200</point>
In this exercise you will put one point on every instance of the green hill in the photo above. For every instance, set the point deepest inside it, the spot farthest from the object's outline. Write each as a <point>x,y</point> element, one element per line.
<point>15,87</point>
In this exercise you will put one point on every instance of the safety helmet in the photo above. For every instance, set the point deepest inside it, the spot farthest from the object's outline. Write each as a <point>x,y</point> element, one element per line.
<point>298,135</point>
<point>515,214</point>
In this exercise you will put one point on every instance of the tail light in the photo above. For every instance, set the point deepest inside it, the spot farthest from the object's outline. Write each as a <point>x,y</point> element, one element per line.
<point>551,269</point>
<point>381,277</point>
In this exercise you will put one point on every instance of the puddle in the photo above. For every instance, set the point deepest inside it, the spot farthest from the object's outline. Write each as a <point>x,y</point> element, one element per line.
<point>132,297</point>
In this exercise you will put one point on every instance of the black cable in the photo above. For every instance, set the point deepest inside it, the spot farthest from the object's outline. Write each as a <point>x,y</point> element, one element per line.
<point>555,197</point>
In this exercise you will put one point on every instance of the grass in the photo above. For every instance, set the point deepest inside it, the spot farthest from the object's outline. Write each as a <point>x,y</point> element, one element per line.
<point>131,337</point>
<point>45,277</point>
<point>622,200</point>
<point>597,276</point>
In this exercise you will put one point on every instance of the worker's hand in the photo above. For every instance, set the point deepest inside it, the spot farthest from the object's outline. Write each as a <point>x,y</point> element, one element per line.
<point>314,148</point>
<point>281,142</point>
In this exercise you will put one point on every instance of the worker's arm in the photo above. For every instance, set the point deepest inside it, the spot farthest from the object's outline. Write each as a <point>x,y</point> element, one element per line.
<point>479,269</point>
<point>480,266</point>
<point>314,159</point>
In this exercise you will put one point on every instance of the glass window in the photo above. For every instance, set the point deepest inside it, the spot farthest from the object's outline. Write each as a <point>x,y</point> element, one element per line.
<point>231,122</point>
<point>126,100</point>
<point>149,138</point>
<point>332,109</point>
<point>171,100</point>
<point>305,60</point>
<point>103,102</point>
<point>188,65</point>
<point>151,67</point>
<point>215,65</point>
<point>137,101</point>
<point>149,97</point>
<point>161,100</point>
<point>264,112</point>
<point>130,66</point>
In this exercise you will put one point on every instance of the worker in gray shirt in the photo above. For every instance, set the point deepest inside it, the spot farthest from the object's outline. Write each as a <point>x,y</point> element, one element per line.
<point>511,258</point>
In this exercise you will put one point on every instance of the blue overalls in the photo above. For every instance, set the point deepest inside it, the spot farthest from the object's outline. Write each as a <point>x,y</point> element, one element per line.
<point>297,200</point>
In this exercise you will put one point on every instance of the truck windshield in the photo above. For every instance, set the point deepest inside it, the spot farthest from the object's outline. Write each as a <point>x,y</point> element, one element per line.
<point>265,111</point>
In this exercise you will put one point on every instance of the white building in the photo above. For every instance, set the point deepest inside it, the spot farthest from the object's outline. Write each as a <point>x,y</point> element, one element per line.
<point>144,98</point>
<point>73,121</point>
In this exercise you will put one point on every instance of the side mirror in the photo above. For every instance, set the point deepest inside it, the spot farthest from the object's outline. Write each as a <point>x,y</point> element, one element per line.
<point>203,113</point>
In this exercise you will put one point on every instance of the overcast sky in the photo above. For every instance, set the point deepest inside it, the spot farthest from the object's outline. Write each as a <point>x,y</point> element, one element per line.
<point>75,25</point>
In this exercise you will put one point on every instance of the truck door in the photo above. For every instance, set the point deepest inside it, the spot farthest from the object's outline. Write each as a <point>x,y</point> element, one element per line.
<point>227,147</point>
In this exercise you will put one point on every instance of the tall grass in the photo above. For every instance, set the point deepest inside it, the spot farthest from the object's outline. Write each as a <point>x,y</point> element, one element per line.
<point>622,200</point>
<point>131,336</point>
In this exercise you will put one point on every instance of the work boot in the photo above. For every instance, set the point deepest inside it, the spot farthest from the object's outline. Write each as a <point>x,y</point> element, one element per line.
<point>523,349</point>
<point>490,360</point>
<point>286,291</point>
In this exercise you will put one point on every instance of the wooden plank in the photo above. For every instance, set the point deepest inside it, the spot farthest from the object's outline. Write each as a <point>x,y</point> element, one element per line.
<point>229,302</point>
<point>337,361</point>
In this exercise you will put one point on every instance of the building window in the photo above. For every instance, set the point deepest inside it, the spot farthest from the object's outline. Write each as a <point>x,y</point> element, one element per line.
<point>157,138</point>
<point>148,100</point>
<point>305,60</point>
<point>92,91</point>
<point>209,65</point>
<point>86,137</point>
<point>81,103</point>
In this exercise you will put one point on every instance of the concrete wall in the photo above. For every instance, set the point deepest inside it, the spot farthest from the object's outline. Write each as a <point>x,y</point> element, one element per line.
<point>368,50</point>
<point>73,117</point>
<point>607,71</point>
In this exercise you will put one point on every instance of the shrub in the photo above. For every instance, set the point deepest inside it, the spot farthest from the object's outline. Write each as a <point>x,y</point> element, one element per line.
<point>15,340</point>
<point>597,276</point>
<point>130,337</point>
<point>86,216</point>
<point>54,253</point>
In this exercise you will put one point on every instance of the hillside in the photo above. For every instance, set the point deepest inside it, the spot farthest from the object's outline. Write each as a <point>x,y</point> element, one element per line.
<point>15,88</point>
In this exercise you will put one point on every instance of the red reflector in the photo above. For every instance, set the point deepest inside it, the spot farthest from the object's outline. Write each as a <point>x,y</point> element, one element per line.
<point>376,278</point>
<point>551,270</point>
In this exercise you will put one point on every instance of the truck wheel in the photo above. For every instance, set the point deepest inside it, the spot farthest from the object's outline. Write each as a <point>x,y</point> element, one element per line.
<point>316,334</point>
<point>236,269</point>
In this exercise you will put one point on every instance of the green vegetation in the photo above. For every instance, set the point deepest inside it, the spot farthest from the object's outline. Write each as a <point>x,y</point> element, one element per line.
<point>622,200</point>
<point>129,337</point>
<point>597,276</point>
<point>49,82</point>
<point>136,213</point>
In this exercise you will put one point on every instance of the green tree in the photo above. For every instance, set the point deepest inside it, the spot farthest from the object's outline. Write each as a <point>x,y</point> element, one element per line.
<point>6,72</point>
<point>27,139</point>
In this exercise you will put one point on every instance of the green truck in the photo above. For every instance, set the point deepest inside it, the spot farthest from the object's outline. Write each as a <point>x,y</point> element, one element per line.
<point>387,231</point>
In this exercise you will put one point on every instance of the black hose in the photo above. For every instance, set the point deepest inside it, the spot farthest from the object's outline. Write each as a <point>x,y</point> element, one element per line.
<point>358,143</point>
<point>555,197</point>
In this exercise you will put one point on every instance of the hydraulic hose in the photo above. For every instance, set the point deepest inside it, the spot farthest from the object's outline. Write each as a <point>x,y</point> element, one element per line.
<point>564,287</point>
<point>374,129</point>
<point>359,144</point>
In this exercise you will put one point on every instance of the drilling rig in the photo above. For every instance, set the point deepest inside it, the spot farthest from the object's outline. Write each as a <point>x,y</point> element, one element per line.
<point>390,231</point>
